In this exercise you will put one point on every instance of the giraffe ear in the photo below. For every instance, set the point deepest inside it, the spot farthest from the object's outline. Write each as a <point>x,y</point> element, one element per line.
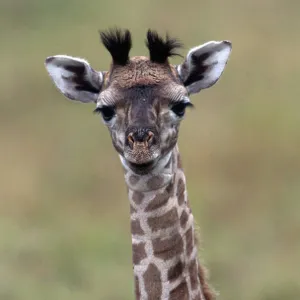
<point>204,65</point>
<point>74,77</point>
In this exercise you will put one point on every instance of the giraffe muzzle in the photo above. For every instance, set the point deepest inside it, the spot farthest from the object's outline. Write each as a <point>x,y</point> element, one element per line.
<point>141,148</point>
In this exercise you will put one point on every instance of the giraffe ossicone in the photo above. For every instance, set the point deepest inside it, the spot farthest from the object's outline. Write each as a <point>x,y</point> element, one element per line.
<point>142,102</point>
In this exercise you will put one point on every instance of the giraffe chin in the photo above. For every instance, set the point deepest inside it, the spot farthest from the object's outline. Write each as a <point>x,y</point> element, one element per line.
<point>142,168</point>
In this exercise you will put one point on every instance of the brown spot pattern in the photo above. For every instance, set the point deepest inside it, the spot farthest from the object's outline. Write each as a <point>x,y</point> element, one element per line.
<point>179,162</point>
<point>165,221</point>
<point>133,179</point>
<point>170,189</point>
<point>136,227</point>
<point>175,271</point>
<point>153,283</point>
<point>197,297</point>
<point>180,292</point>
<point>155,182</point>
<point>132,209</point>
<point>180,191</point>
<point>137,197</point>
<point>183,219</point>
<point>158,201</point>
<point>138,253</point>
<point>170,142</point>
<point>137,288</point>
<point>189,242</point>
<point>168,248</point>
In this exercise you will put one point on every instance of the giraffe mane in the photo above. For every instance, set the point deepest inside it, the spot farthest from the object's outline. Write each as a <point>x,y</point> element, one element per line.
<point>161,49</point>
<point>118,42</point>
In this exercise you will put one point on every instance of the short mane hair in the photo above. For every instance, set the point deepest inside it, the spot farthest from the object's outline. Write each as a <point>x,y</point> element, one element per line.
<point>160,49</point>
<point>118,42</point>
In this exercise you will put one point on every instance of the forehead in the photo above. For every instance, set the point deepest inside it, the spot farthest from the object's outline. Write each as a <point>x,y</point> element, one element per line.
<point>141,78</point>
<point>140,71</point>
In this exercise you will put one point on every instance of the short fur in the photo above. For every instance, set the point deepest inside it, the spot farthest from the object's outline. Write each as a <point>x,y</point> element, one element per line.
<point>118,43</point>
<point>159,49</point>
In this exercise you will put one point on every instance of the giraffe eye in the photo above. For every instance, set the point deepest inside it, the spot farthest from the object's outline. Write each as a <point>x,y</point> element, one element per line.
<point>179,108</point>
<point>107,112</point>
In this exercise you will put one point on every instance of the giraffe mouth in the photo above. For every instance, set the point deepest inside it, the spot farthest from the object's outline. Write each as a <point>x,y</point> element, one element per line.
<point>142,160</point>
<point>141,168</point>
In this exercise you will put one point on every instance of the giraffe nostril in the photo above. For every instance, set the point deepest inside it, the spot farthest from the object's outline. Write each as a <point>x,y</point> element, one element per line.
<point>130,140</point>
<point>150,137</point>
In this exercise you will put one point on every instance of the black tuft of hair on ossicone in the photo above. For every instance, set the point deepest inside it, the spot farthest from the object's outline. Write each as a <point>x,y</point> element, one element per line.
<point>161,49</point>
<point>118,42</point>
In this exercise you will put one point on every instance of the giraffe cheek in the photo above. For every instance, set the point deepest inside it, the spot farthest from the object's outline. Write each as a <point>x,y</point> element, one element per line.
<point>118,146</point>
<point>168,141</point>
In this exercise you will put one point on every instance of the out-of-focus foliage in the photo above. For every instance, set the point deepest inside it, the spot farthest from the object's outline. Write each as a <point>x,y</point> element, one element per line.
<point>64,213</point>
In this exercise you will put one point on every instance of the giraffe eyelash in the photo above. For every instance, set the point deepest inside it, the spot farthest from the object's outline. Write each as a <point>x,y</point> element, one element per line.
<point>182,102</point>
<point>97,110</point>
<point>107,112</point>
<point>189,104</point>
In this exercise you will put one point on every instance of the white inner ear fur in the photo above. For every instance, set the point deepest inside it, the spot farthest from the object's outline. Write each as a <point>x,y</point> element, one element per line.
<point>63,78</point>
<point>216,61</point>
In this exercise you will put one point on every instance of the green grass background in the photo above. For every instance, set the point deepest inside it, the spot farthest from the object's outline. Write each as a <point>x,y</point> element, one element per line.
<point>64,213</point>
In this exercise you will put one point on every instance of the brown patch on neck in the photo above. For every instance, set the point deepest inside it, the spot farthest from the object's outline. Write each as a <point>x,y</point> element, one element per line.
<point>153,284</point>
<point>138,253</point>
<point>137,197</point>
<point>189,241</point>
<point>155,182</point>
<point>168,248</point>
<point>133,179</point>
<point>180,292</point>
<point>184,219</point>
<point>180,191</point>
<point>175,271</point>
<point>159,200</point>
<point>137,288</point>
<point>136,227</point>
<point>132,209</point>
<point>167,220</point>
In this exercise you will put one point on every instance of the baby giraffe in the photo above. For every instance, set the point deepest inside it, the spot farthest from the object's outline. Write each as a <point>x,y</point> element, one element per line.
<point>142,102</point>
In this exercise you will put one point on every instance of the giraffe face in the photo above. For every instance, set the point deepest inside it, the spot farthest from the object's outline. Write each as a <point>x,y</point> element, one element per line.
<point>141,100</point>
<point>143,112</point>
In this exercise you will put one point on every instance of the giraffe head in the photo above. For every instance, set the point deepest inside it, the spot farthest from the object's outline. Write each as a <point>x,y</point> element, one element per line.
<point>141,100</point>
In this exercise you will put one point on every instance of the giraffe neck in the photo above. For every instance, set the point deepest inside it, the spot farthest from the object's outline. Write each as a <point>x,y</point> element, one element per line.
<point>162,228</point>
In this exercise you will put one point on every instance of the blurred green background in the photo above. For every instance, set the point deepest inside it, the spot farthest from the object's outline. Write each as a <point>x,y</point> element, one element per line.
<point>64,213</point>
